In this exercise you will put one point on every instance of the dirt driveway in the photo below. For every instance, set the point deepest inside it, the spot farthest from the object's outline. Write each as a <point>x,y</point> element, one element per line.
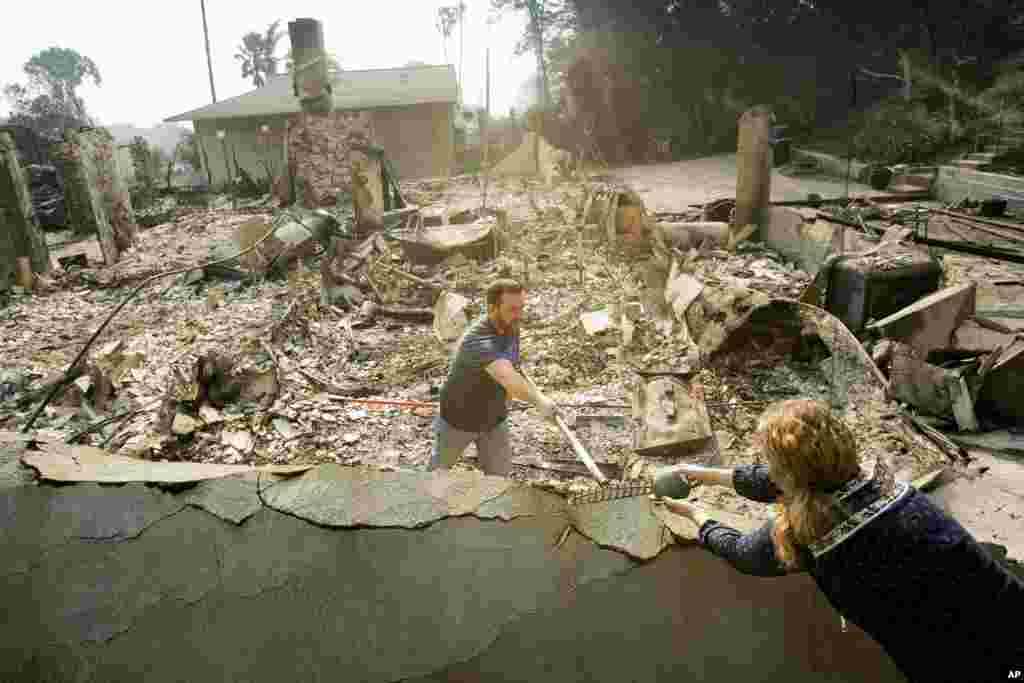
<point>673,187</point>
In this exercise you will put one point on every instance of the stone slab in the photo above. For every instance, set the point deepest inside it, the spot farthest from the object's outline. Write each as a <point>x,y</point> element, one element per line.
<point>522,501</point>
<point>62,462</point>
<point>629,525</point>
<point>234,498</point>
<point>347,497</point>
<point>12,471</point>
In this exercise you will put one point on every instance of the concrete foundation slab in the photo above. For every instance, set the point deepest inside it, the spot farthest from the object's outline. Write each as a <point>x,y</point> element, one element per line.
<point>128,583</point>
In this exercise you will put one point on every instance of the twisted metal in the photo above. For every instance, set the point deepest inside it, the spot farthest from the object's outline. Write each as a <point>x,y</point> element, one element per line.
<point>613,491</point>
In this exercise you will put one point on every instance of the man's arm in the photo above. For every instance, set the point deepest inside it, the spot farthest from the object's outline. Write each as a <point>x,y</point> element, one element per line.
<point>503,372</point>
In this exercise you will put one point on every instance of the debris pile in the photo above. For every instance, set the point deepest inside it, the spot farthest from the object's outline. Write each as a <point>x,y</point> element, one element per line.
<point>663,335</point>
<point>47,195</point>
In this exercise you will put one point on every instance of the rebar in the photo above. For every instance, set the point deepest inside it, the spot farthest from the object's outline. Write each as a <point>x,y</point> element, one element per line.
<point>613,491</point>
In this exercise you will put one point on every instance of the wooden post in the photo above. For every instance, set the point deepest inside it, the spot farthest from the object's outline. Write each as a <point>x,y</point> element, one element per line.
<point>754,167</point>
<point>23,272</point>
<point>20,236</point>
<point>580,228</point>
<point>611,223</point>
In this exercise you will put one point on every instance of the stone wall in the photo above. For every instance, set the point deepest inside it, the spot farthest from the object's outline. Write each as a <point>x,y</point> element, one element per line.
<point>416,139</point>
<point>353,575</point>
<point>319,149</point>
<point>96,197</point>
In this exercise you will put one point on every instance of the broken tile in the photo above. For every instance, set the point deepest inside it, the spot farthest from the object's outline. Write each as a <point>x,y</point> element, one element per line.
<point>595,322</point>
<point>922,385</point>
<point>977,338</point>
<point>929,323</point>
<point>670,417</point>
<point>240,440</point>
<point>184,424</point>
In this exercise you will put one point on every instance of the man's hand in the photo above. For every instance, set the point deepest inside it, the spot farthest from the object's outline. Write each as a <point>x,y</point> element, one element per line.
<point>547,408</point>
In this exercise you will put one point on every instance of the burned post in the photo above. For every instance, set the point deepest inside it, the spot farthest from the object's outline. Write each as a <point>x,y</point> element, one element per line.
<point>97,201</point>
<point>21,240</point>
<point>310,81</point>
<point>753,167</point>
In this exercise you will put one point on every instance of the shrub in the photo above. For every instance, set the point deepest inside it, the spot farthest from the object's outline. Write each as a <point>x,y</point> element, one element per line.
<point>1010,161</point>
<point>896,132</point>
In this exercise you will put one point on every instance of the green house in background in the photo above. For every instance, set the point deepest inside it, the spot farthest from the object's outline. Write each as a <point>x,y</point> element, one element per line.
<point>411,111</point>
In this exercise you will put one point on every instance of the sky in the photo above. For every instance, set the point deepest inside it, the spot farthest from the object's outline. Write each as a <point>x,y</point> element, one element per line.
<point>153,64</point>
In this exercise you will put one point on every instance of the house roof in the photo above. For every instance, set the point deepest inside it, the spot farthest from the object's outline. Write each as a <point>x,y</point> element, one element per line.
<point>365,89</point>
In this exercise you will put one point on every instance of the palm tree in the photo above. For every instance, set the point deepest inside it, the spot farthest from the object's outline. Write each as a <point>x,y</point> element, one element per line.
<point>257,54</point>
<point>270,39</point>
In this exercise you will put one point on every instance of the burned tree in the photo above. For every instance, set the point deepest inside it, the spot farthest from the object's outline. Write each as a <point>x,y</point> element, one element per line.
<point>20,237</point>
<point>603,106</point>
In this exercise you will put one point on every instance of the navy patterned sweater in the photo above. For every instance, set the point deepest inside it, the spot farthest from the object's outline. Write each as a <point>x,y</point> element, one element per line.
<point>912,577</point>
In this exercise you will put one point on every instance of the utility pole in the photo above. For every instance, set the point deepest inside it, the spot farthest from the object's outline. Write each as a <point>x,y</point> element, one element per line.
<point>462,24</point>
<point>209,62</point>
<point>486,123</point>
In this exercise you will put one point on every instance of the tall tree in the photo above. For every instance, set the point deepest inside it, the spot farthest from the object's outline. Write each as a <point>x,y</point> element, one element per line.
<point>550,25</point>
<point>49,102</point>
<point>447,17</point>
<point>256,53</point>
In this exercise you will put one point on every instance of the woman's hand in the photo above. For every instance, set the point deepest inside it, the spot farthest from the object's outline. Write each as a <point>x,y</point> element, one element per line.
<point>683,509</point>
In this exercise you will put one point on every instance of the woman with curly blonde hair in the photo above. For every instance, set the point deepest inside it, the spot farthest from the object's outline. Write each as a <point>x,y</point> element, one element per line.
<point>883,554</point>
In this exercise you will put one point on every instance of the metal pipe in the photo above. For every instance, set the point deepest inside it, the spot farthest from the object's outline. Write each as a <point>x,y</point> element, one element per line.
<point>975,249</point>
